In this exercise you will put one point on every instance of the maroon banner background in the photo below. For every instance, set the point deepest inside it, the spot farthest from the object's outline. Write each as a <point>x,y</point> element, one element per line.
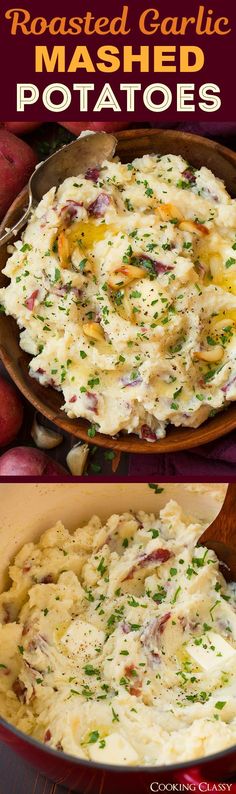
<point>17,60</point>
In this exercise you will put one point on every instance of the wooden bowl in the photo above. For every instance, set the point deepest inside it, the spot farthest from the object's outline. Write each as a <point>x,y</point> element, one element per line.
<point>131,143</point>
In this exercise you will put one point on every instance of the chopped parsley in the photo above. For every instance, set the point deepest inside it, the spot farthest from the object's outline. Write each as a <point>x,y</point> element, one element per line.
<point>155,533</point>
<point>160,595</point>
<point>154,487</point>
<point>231,261</point>
<point>174,599</point>
<point>109,455</point>
<point>115,716</point>
<point>89,669</point>
<point>101,567</point>
<point>26,247</point>
<point>128,205</point>
<point>92,430</point>
<point>93,737</point>
<point>57,274</point>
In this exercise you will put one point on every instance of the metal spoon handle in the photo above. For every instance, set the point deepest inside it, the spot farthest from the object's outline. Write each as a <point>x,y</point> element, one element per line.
<point>16,228</point>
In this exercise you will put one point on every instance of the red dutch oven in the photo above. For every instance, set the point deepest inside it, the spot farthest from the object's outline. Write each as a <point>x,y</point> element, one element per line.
<point>27,510</point>
<point>87,777</point>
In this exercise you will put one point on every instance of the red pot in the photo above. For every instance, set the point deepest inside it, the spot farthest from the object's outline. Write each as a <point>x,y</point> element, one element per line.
<point>74,503</point>
<point>87,777</point>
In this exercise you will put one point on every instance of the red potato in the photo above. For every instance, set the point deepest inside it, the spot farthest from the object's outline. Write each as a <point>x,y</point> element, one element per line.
<point>17,161</point>
<point>20,127</point>
<point>108,126</point>
<point>29,462</point>
<point>11,412</point>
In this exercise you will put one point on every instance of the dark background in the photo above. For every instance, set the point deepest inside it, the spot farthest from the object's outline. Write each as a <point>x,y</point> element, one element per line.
<point>16,777</point>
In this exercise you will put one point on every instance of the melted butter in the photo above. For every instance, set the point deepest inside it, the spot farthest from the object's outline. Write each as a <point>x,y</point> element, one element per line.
<point>61,629</point>
<point>89,233</point>
<point>221,279</point>
<point>227,282</point>
<point>75,721</point>
<point>227,314</point>
<point>185,662</point>
<point>226,279</point>
<point>165,389</point>
<point>217,273</point>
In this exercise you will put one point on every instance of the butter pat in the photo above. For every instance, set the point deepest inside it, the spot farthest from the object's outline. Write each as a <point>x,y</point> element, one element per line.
<point>116,751</point>
<point>82,637</point>
<point>211,651</point>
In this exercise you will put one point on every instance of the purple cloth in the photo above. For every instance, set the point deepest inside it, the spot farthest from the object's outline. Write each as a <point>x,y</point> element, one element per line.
<point>214,461</point>
<point>209,129</point>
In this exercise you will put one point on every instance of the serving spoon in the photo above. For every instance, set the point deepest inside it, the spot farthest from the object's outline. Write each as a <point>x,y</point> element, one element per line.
<point>220,536</point>
<point>88,151</point>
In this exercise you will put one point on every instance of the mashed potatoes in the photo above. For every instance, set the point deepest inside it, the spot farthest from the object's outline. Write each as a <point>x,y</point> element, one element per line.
<point>124,288</point>
<point>118,642</point>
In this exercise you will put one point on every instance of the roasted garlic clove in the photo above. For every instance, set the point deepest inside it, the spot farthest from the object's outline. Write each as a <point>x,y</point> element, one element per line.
<point>63,250</point>
<point>93,331</point>
<point>168,212</point>
<point>212,356</point>
<point>124,275</point>
<point>77,459</point>
<point>45,437</point>
<point>193,227</point>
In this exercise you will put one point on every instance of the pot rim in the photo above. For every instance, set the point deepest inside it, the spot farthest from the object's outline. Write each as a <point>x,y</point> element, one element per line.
<point>116,768</point>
